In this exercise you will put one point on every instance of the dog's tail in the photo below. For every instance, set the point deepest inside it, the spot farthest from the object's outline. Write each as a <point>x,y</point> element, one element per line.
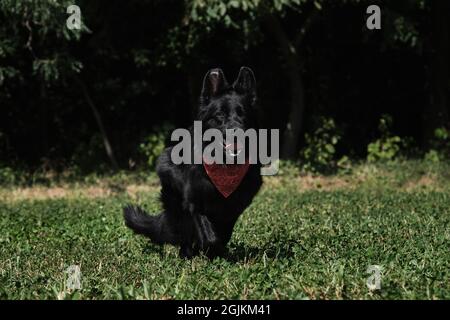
<point>156,228</point>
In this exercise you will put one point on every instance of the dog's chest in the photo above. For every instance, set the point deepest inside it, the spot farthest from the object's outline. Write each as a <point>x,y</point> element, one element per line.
<point>226,178</point>
<point>213,202</point>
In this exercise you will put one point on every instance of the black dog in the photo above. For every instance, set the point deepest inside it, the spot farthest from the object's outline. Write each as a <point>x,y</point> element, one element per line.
<point>196,216</point>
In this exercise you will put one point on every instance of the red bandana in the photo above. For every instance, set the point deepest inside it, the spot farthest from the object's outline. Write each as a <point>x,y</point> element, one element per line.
<point>226,177</point>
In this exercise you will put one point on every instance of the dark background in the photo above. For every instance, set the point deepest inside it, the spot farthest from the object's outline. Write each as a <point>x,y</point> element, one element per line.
<point>89,98</point>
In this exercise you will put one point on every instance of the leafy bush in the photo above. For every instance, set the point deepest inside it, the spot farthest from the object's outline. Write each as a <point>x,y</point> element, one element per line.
<point>440,146</point>
<point>387,147</point>
<point>288,168</point>
<point>88,155</point>
<point>319,153</point>
<point>154,144</point>
<point>7,176</point>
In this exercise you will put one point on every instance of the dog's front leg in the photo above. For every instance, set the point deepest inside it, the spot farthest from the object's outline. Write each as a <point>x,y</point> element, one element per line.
<point>212,244</point>
<point>200,236</point>
<point>206,236</point>
<point>187,230</point>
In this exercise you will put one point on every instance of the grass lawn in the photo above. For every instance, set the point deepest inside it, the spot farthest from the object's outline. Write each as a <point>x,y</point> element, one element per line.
<point>302,238</point>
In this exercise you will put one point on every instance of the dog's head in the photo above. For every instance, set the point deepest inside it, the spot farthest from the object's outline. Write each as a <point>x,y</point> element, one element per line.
<point>224,106</point>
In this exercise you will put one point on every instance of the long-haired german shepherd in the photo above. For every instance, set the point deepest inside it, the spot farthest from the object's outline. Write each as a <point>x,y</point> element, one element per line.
<point>196,215</point>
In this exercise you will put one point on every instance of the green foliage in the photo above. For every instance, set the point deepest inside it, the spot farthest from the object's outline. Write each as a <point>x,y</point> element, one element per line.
<point>387,147</point>
<point>154,144</point>
<point>7,176</point>
<point>318,155</point>
<point>227,13</point>
<point>166,58</point>
<point>432,156</point>
<point>344,165</point>
<point>88,155</point>
<point>244,15</point>
<point>288,168</point>
<point>36,30</point>
<point>383,149</point>
<point>440,146</point>
<point>401,28</point>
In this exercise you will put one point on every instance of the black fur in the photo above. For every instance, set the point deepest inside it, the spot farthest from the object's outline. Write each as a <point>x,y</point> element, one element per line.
<point>196,216</point>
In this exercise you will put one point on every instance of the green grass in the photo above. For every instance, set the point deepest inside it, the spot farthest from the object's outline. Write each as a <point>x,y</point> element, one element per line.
<point>290,244</point>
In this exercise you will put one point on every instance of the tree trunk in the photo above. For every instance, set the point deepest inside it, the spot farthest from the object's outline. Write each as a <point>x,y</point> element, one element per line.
<point>291,135</point>
<point>44,124</point>
<point>437,115</point>
<point>98,119</point>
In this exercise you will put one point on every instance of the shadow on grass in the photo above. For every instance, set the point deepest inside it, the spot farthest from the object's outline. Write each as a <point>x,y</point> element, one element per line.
<point>238,252</point>
<point>274,250</point>
<point>153,248</point>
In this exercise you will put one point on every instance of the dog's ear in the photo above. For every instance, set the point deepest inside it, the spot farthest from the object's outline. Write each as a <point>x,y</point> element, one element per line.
<point>213,83</point>
<point>246,83</point>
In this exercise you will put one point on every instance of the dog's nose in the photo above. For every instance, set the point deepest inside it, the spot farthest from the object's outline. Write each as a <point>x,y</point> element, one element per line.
<point>237,127</point>
<point>233,145</point>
